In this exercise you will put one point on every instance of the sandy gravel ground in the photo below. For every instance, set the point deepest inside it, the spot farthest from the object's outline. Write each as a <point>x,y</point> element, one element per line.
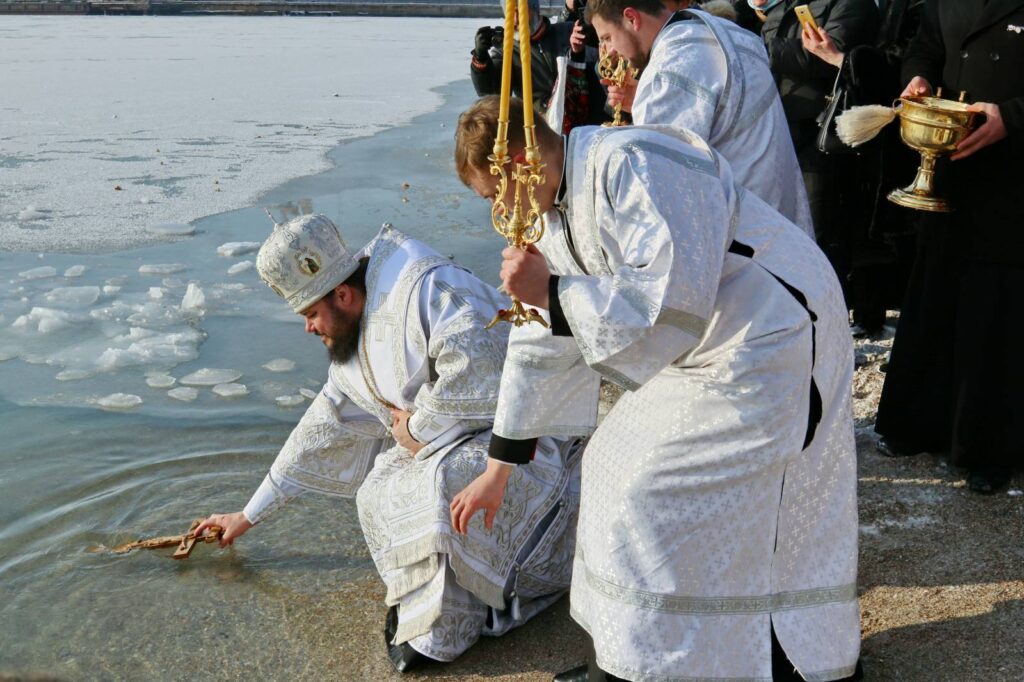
<point>941,579</point>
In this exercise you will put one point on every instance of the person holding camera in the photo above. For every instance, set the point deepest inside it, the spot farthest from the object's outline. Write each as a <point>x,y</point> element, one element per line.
<point>585,98</point>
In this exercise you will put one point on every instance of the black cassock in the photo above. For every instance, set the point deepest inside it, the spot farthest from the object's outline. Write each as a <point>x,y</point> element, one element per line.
<point>956,375</point>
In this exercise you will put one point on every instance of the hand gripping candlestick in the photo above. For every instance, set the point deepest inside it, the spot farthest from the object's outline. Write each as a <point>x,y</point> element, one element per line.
<point>617,71</point>
<point>521,225</point>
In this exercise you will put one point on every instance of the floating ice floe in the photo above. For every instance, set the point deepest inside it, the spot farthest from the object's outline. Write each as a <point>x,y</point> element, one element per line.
<point>46,320</point>
<point>39,273</point>
<point>161,268</point>
<point>6,355</point>
<point>307,393</point>
<point>73,297</point>
<point>75,271</point>
<point>279,365</point>
<point>240,267</point>
<point>173,229</point>
<point>160,381</point>
<point>194,301</point>
<point>289,400</point>
<point>148,348</point>
<point>210,377</point>
<point>119,401</point>
<point>30,213</point>
<point>231,390</point>
<point>183,393</point>
<point>232,249</point>
<point>172,282</point>
<point>111,289</point>
<point>73,375</point>
<point>156,293</point>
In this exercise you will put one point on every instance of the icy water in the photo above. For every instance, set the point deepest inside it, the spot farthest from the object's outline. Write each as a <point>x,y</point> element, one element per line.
<point>113,427</point>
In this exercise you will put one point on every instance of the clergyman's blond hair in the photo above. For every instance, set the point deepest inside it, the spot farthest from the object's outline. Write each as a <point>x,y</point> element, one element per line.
<point>477,128</point>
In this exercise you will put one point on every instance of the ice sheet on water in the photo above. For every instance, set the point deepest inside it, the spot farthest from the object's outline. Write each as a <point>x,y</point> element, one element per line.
<point>73,375</point>
<point>279,365</point>
<point>30,213</point>
<point>232,249</point>
<point>148,348</point>
<point>161,268</point>
<point>231,390</point>
<point>156,293</point>
<point>47,320</point>
<point>119,401</point>
<point>210,377</point>
<point>172,229</point>
<point>172,282</point>
<point>194,301</point>
<point>75,271</point>
<point>110,289</point>
<point>183,393</point>
<point>307,393</point>
<point>241,266</point>
<point>160,381</point>
<point>41,272</point>
<point>73,297</point>
<point>289,400</point>
<point>6,355</point>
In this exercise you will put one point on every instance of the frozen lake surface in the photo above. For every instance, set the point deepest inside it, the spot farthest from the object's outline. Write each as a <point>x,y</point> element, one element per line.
<point>113,126</point>
<point>147,376</point>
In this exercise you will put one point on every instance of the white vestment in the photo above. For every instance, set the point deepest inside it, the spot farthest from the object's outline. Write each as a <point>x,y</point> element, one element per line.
<point>704,519</point>
<point>712,77</point>
<point>429,353</point>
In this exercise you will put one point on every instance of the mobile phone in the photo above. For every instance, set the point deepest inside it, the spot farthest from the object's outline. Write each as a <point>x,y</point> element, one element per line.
<point>804,16</point>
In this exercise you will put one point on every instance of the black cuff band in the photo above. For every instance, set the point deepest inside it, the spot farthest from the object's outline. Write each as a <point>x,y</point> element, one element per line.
<point>512,451</point>
<point>559,325</point>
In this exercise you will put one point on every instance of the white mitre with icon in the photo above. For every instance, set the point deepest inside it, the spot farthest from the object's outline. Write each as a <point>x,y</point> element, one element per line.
<point>304,259</point>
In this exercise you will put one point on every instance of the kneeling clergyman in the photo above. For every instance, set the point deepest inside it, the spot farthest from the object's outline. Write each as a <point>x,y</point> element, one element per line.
<point>717,535</point>
<point>412,361</point>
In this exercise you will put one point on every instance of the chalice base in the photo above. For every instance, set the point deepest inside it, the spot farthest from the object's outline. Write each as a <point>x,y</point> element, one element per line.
<point>919,201</point>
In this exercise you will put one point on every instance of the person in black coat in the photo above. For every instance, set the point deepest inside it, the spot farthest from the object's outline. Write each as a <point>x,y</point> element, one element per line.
<point>804,81</point>
<point>880,233</point>
<point>955,374</point>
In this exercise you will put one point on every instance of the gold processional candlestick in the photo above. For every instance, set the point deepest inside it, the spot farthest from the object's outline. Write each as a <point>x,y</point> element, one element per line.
<point>521,225</point>
<point>616,70</point>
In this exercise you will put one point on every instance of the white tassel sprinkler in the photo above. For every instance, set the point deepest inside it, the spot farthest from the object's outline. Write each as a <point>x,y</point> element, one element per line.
<point>858,125</point>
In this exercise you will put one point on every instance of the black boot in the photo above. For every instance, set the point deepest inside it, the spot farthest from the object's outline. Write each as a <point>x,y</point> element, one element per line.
<point>988,480</point>
<point>402,656</point>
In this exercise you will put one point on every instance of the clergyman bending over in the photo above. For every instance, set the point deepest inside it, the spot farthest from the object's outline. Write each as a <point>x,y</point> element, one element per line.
<point>708,75</point>
<point>412,362</point>
<point>717,533</point>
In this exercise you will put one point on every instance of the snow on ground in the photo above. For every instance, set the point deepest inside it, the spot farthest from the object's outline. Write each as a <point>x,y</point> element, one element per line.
<point>175,118</point>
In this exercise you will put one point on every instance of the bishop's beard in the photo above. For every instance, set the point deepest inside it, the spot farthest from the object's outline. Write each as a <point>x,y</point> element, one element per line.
<point>344,342</point>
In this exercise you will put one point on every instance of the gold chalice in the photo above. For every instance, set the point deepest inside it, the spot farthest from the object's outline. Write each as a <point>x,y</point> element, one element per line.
<point>617,70</point>
<point>932,126</point>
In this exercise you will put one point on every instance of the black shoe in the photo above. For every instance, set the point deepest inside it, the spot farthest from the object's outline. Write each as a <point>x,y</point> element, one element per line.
<point>988,481</point>
<point>895,448</point>
<point>405,658</point>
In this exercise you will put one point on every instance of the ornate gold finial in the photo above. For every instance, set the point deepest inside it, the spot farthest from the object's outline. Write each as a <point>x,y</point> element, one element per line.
<point>521,225</point>
<point>617,70</point>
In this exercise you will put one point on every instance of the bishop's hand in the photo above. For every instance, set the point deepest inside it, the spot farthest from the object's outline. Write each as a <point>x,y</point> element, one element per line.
<point>234,526</point>
<point>525,275</point>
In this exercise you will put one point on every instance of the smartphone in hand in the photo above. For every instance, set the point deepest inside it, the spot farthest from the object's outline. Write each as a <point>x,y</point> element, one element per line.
<point>804,16</point>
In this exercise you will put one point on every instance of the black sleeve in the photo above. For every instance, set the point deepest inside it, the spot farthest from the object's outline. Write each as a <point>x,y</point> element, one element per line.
<point>512,451</point>
<point>486,76</point>
<point>559,325</point>
<point>926,54</point>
